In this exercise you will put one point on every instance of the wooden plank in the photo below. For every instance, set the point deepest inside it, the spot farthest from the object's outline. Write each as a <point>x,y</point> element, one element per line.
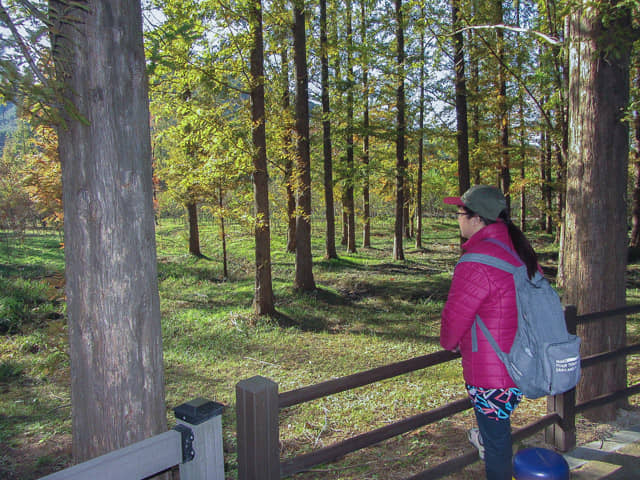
<point>330,387</point>
<point>137,461</point>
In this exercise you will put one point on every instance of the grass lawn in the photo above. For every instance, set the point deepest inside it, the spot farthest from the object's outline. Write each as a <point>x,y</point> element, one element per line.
<point>368,311</point>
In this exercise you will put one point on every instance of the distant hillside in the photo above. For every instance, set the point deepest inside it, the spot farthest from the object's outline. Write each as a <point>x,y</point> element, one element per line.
<point>7,122</point>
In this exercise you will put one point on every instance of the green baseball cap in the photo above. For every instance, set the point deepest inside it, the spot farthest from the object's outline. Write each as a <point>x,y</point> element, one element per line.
<point>486,201</point>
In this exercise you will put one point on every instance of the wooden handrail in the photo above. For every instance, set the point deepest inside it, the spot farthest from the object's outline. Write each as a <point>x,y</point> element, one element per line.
<point>591,317</point>
<point>602,357</point>
<point>608,398</point>
<point>330,387</point>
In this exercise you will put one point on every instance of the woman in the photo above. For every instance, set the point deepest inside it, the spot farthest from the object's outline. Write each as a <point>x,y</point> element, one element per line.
<point>478,289</point>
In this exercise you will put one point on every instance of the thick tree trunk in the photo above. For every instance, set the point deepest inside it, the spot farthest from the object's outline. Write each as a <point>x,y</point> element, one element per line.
<point>462,134</point>
<point>263,294</point>
<point>595,234</point>
<point>330,240</point>
<point>398,250</point>
<point>194,231</point>
<point>113,307</point>
<point>304,266</point>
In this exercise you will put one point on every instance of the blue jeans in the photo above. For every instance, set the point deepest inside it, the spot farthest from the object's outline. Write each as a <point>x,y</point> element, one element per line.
<point>496,438</point>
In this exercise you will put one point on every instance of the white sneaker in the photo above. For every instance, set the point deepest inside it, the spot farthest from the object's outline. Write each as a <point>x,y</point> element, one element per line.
<point>476,440</point>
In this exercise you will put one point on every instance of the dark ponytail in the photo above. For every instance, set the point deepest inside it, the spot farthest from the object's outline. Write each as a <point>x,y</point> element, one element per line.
<point>522,246</point>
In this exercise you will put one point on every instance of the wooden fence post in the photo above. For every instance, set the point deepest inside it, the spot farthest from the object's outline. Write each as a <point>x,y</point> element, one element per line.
<point>257,413</point>
<point>202,454</point>
<point>563,435</point>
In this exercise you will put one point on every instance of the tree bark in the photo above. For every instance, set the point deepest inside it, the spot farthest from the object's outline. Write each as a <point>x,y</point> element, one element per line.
<point>330,232</point>
<point>595,234</point>
<point>194,231</point>
<point>462,134</point>
<point>503,108</point>
<point>635,205</point>
<point>420,140</point>
<point>304,266</point>
<point>223,235</point>
<point>366,208</point>
<point>349,186</point>
<point>289,175</point>
<point>263,293</point>
<point>398,250</point>
<point>113,307</point>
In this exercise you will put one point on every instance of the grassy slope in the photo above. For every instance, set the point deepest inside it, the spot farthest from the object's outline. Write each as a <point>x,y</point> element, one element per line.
<point>368,311</point>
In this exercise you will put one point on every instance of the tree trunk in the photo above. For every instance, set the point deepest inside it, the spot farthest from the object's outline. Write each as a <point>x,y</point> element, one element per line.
<point>366,208</point>
<point>113,307</point>
<point>398,250</point>
<point>263,294</point>
<point>304,266</point>
<point>289,175</point>
<point>503,109</point>
<point>635,207</point>
<point>223,235</point>
<point>595,233</point>
<point>474,75</point>
<point>420,139</point>
<point>462,134</point>
<point>345,220</point>
<point>523,144</point>
<point>330,241</point>
<point>291,206</point>
<point>349,186</point>
<point>194,231</point>
<point>406,215</point>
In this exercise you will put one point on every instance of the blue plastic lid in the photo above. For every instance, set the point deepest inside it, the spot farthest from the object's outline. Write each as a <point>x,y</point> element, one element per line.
<point>539,464</point>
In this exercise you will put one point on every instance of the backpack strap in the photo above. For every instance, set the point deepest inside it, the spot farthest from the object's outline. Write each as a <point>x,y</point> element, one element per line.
<point>488,336</point>
<point>501,265</point>
<point>506,248</point>
<point>488,260</point>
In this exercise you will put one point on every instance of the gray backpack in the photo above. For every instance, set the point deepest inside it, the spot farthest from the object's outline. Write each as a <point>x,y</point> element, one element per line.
<point>544,358</point>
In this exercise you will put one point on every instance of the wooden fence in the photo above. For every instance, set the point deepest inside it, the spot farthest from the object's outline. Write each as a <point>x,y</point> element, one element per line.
<point>258,403</point>
<point>195,444</point>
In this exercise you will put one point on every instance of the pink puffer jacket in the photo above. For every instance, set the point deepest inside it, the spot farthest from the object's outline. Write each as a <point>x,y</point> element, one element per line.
<point>478,289</point>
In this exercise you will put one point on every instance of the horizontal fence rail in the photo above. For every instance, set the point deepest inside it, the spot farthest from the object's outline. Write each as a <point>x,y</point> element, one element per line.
<point>360,379</point>
<point>195,444</point>
<point>592,317</point>
<point>139,460</point>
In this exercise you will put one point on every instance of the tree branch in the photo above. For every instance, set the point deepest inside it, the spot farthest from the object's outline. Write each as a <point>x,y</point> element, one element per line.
<point>4,18</point>
<point>544,36</point>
